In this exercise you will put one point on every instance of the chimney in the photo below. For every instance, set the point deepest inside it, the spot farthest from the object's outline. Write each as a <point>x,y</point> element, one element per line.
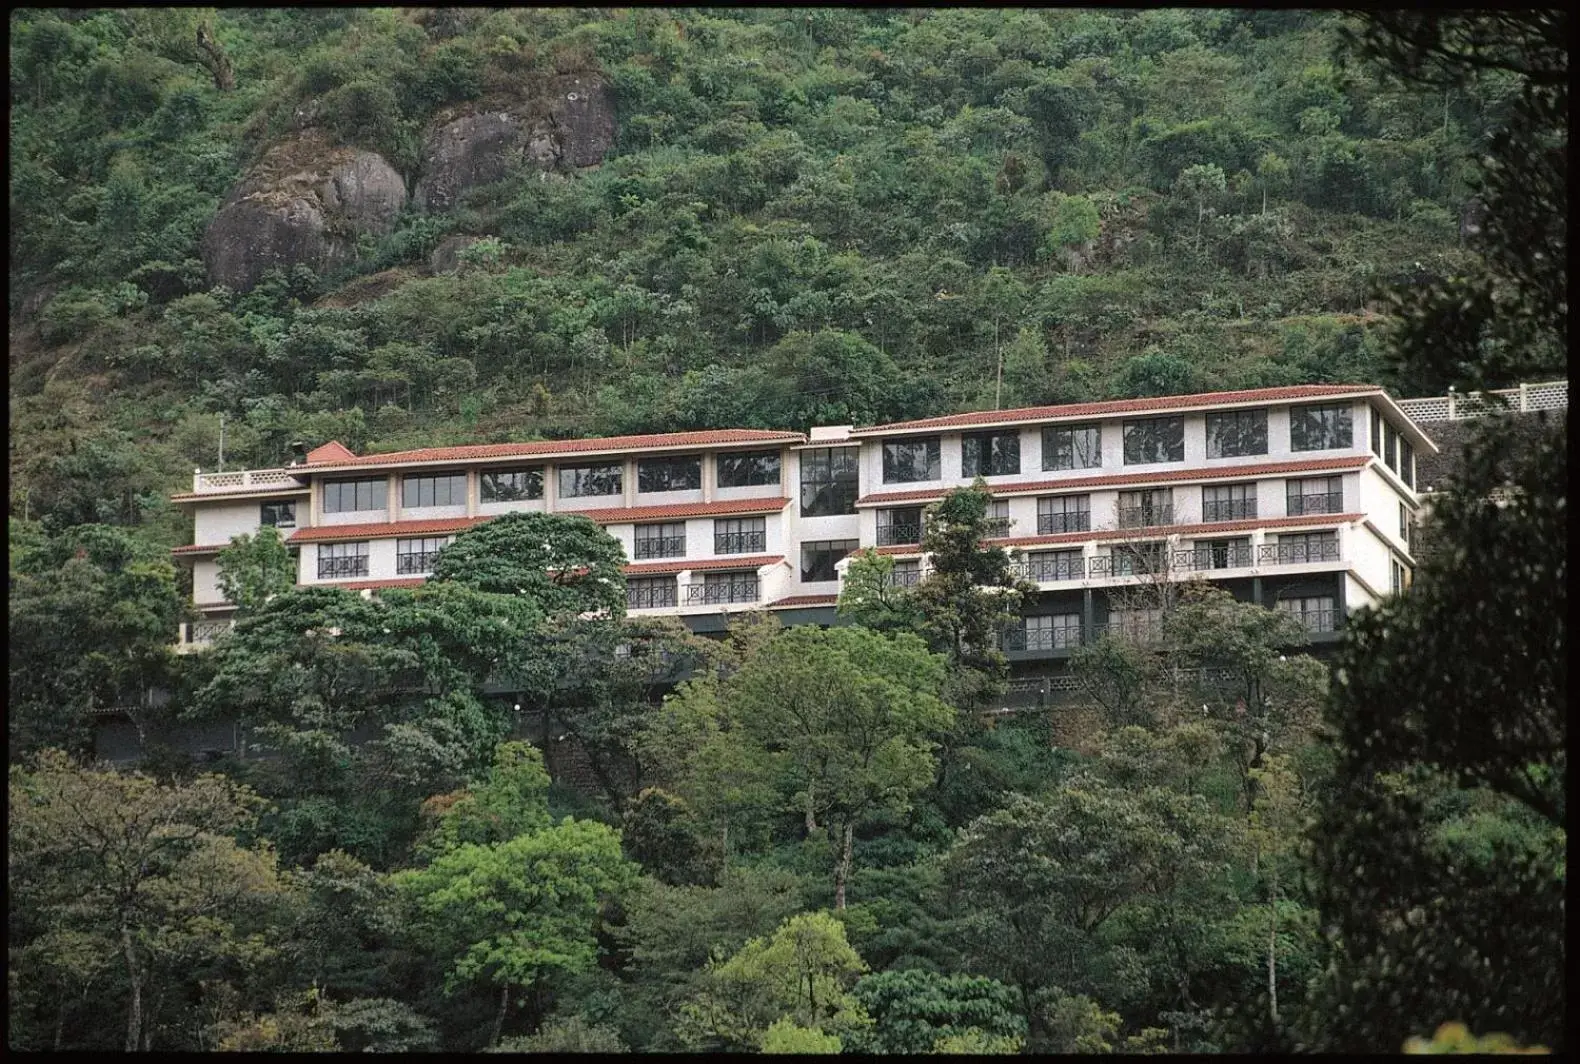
<point>298,452</point>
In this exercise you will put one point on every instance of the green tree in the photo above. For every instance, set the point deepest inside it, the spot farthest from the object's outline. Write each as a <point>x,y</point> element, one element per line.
<point>913,1010</point>
<point>562,563</point>
<point>253,569</point>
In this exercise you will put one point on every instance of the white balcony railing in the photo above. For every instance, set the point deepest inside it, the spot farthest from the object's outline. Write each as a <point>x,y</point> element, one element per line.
<point>1456,406</point>
<point>199,635</point>
<point>243,479</point>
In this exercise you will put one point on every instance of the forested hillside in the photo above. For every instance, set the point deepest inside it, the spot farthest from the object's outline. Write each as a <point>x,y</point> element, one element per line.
<point>800,217</point>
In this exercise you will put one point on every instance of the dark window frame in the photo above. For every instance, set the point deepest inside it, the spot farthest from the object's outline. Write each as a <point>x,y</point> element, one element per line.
<point>1238,426</point>
<point>1071,518</point>
<point>746,469</point>
<point>1002,449</point>
<point>583,474</point>
<point>333,559</point>
<point>661,540</point>
<point>896,472</point>
<point>1064,446</point>
<point>421,484</point>
<point>1149,436</point>
<point>287,508</point>
<point>376,488</point>
<point>426,551</point>
<point>740,535</point>
<point>1321,427</point>
<point>830,481</point>
<point>661,469</point>
<point>812,550</point>
<point>523,483</point>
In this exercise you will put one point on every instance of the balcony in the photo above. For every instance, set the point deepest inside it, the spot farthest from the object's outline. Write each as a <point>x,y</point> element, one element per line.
<point>899,534</point>
<point>1316,621</point>
<point>199,635</point>
<point>1053,524</point>
<point>1297,553</point>
<point>1204,559</point>
<point>740,542</point>
<point>244,480</point>
<point>342,568</point>
<point>997,526</point>
<point>1022,638</point>
<point>419,563</point>
<point>1228,510</point>
<point>661,547</point>
<point>1326,503</point>
<point>1143,632</point>
<point>1050,569</point>
<point>1129,565</point>
<point>905,578</point>
<point>741,590</point>
<point>651,598</point>
<point>1146,516</point>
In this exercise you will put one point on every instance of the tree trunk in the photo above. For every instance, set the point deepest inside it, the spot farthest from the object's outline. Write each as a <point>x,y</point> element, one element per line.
<point>215,59</point>
<point>811,814</point>
<point>134,1007</point>
<point>842,870</point>
<point>499,1020</point>
<point>1272,952</point>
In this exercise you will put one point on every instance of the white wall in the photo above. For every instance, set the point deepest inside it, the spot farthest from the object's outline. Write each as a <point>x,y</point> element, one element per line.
<point>216,523</point>
<point>1380,499</point>
<point>205,582</point>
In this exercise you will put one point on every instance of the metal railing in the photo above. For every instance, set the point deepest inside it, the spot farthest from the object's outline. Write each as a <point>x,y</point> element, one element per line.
<point>651,597</point>
<point>1297,553</point>
<point>332,568</point>
<point>1128,565</point>
<point>416,563</point>
<point>731,591</point>
<point>1053,524</point>
<point>1146,516</point>
<point>1456,406</point>
<point>243,479</point>
<point>905,578</point>
<point>1228,510</point>
<point>661,547</point>
<point>1050,569</point>
<point>895,535</point>
<point>997,526</point>
<point>1144,632</point>
<point>1023,638</point>
<point>1316,620</point>
<point>1331,502</point>
<point>740,542</point>
<point>1201,559</point>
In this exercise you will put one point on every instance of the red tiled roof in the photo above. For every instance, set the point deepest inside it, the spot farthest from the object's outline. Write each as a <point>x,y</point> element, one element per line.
<point>1194,473</point>
<point>687,509</point>
<point>544,448</point>
<point>366,585</point>
<point>200,548</point>
<point>1122,406</point>
<point>1103,535</point>
<point>755,561</point>
<point>383,529</point>
<point>333,451</point>
<point>226,494</point>
<point>800,601</point>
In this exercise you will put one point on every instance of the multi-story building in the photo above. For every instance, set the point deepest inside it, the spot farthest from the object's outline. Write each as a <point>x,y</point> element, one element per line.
<point>1300,498</point>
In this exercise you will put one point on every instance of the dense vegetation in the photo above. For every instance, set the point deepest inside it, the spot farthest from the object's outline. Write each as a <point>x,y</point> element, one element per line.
<point>817,842</point>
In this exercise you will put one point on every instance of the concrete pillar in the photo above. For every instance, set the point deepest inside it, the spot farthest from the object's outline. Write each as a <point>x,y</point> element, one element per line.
<point>392,500</point>
<point>1256,590</point>
<point>1088,616</point>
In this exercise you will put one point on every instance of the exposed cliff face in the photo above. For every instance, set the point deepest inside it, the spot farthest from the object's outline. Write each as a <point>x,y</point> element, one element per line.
<point>563,123</point>
<point>304,202</point>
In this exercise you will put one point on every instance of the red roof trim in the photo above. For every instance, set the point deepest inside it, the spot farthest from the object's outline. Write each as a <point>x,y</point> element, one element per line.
<point>239,493</point>
<point>628,515</point>
<point>551,448</point>
<point>802,601</point>
<point>1123,406</point>
<point>200,548</point>
<point>755,561</point>
<point>383,530</point>
<point>1195,473</point>
<point>1104,535</point>
<point>369,585</point>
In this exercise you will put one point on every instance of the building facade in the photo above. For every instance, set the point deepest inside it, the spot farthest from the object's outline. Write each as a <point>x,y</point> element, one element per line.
<point>1300,498</point>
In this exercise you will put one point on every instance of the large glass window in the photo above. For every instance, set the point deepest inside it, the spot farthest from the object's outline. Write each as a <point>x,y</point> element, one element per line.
<point>675,473</point>
<point>1136,626</point>
<point>1154,439</point>
<point>1323,427</point>
<point>1228,502</point>
<point>907,572</point>
<point>1391,447</point>
<point>1316,612</point>
<point>900,525</point>
<point>416,556</point>
<point>433,489</point>
<point>1137,559</point>
<point>342,560</point>
<point>906,461</point>
<point>1377,423</point>
<point>1058,631</point>
<point>1406,463</point>
<point>723,588</point>
<point>1220,554</point>
<point>1299,548</point>
<point>1056,565</point>
<point>746,469</point>
<point>740,535</point>
<point>591,480</point>
<point>343,496</point>
<point>511,485</point>
<point>818,558</point>
<point>667,540</point>
<point>278,514</point>
<point>650,592</point>
<point>1144,509</point>
<point>998,521</point>
<point>990,454</point>
<point>1236,433</point>
<point>829,481</point>
<point>1315,495</point>
<point>1071,447</point>
<point>1064,513</point>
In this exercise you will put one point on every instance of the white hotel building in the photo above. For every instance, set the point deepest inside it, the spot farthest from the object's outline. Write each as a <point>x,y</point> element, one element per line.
<point>1300,498</point>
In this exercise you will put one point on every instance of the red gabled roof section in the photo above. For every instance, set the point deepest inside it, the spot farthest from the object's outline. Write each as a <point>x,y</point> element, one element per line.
<point>1104,535</point>
<point>754,561</point>
<point>369,585</point>
<point>333,451</point>
<point>803,601</point>
<point>1123,406</point>
<point>383,530</point>
<point>547,448</point>
<point>1194,473</point>
<point>629,514</point>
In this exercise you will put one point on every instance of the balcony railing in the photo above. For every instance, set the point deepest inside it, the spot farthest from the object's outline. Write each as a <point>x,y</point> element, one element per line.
<point>339,568</point>
<point>244,479</point>
<point>1548,395</point>
<point>1053,524</point>
<point>1146,516</point>
<point>905,578</point>
<point>1049,569</point>
<point>1022,638</point>
<point>1228,510</point>
<point>1316,620</point>
<point>415,564</point>
<point>1327,503</point>
<point>1236,556</point>
<point>1136,631</point>
<point>201,634</point>
<point>1297,553</point>
<point>661,547</point>
<point>1128,565</point>
<point>897,534</point>
<point>997,526</point>
<point>740,542</point>
<point>651,598</point>
<point>731,591</point>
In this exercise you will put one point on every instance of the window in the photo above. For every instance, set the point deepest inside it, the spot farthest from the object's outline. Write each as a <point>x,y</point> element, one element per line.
<point>1314,495</point>
<point>415,556</point>
<point>1391,447</point>
<point>1136,559</point>
<point>998,519</point>
<point>677,473</point>
<point>1407,464</point>
<point>1308,547</point>
<point>1319,428</point>
<point>511,485</point>
<point>442,489</point>
<point>1377,423</point>
<point>1236,433</point>
<point>818,558</point>
<point>590,480</point>
<point>1059,631</point>
<point>1155,439</point>
<point>1221,554</point>
<point>1071,447</point>
<point>1316,612</point>
<point>990,454</point>
<point>1228,502</point>
<point>723,588</point>
<point>1055,565</point>
<point>1404,524</point>
<point>746,469</point>
<point>661,541</point>
<point>341,560</point>
<point>907,572</point>
<point>903,525</point>
<point>740,535</point>
<point>1138,626</point>
<point>342,496</point>
<point>828,481</point>
<point>278,514</point>
<point>650,592</point>
<point>1144,509</point>
<point>1064,513</point>
<point>905,461</point>
<point>1398,576</point>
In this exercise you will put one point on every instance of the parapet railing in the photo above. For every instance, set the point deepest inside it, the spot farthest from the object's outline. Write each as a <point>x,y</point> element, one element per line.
<point>1456,406</point>
<point>242,479</point>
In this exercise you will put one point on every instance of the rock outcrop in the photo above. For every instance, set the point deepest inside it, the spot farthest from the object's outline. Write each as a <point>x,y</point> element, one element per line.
<point>565,123</point>
<point>305,202</point>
